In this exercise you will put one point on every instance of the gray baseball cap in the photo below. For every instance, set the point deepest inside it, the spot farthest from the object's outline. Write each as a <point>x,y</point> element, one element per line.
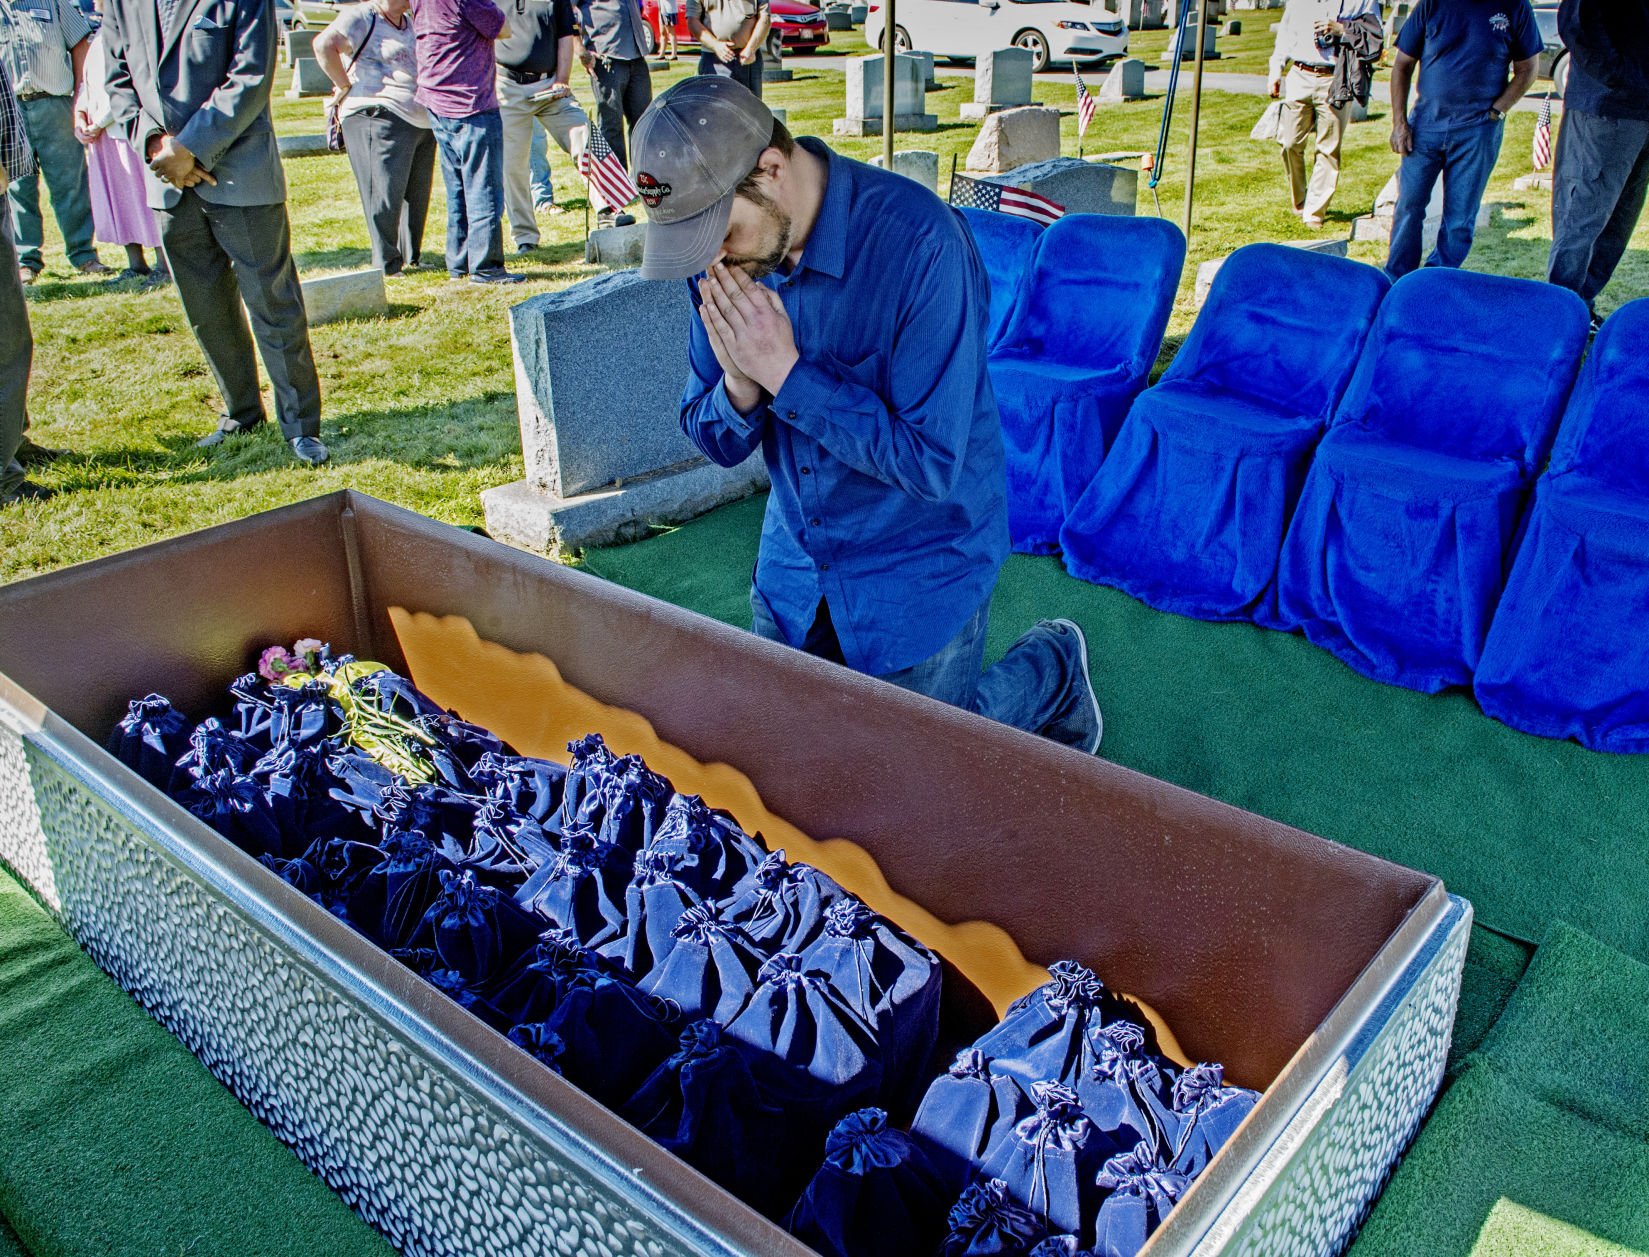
<point>689,152</point>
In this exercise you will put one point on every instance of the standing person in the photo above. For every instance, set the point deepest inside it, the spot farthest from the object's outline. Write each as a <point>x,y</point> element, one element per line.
<point>456,83</point>
<point>191,86</point>
<point>16,343</point>
<point>667,12</point>
<point>731,34</point>
<point>1463,49</point>
<point>368,54</point>
<point>534,63</point>
<point>120,196</point>
<point>43,44</point>
<point>612,51</point>
<point>841,331</point>
<point>1309,38</point>
<point>1602,170</point>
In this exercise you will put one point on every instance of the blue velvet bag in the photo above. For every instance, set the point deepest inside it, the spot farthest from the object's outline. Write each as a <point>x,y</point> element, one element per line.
<point>891,981</point>
<point>986,1222</point>
<point>302,873</point>
<point>714,854</point>
<point>1060,1246</point>
<point>874,1196</point>
<point>476,929</point>
<point>530,988</point>
<point>1047,1035</point>
<point>711,969</point>
<point>1122,1089</point>
<point>396,894</point>
<point>654,903</point>
<point>581,889</point>
<point>530,788</point>
<point>633,802</point>
<point>541,1043</point>
<point>451,983</point>
<point>251,710</point>
<point>238,807</point>
<point>812,1053</point>
<point>1141,1194</point>
<point>150,739</point>
<point>703,1105</point>
<point>967,1112</point>
<point>1049,1161</point>
<point>615,1036</point>
<point>581,802</point>
<point>504,847</point>
<point>347,890</point>
<point>1209,1113</point>
<point>780,906</point>
<point>302,715</point>
<point>212,748</point>
<point>298,788</point>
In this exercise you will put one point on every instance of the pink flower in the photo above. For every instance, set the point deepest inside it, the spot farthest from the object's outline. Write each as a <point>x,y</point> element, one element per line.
<point>275,663</point>
<point>308,652</point>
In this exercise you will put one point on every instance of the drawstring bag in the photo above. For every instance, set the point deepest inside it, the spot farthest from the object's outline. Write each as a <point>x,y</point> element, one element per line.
<point>150,739</point>
<point>712,853</point>
<point>541,1043</point>
<point>710,971</point>
<point>476,929</point>
<point>581,889</point>
<point>702,1104</point>
<point>780,906</point>
<point>581,804</point>
<point>1050,1160</point>
<point>614,1035</point>
<point>1046,1036</point>
<point>986,1222</point>
<point>967,1112</point>
<point>530,788</point>
<point>633,801</point>
<point>302,715</point>
<point>531,987</point>
<point>1141,1194</point>
<point>874,1196</point>
<point>298,787</point>
<point>1121,1091</point>
<point>654,903</point>
<point>451,984</point>
<point>397,893</point>
<point>1209,1114</point>
<point>212,748</point>
<point>891,981</point>
<point>504,847</point>
<point>238,807</point>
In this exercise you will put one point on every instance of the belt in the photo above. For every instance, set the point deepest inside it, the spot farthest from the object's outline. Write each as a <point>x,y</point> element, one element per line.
<point>36,95</point>
<point>1322,71</point>
<point>526,76</point>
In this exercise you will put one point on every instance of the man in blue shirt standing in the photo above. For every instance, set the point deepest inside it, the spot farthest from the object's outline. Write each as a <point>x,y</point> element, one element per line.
<point>1463,49</point>
<point>841,330</point>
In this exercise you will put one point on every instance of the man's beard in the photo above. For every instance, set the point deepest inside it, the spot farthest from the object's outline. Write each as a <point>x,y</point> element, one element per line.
<point>775,239</point>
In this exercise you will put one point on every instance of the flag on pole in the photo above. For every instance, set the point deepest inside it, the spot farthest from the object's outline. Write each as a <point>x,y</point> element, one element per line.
<point>1086,106</point>
<point>1543,135</point>
<point>978,194</point>
<point>608,181</point>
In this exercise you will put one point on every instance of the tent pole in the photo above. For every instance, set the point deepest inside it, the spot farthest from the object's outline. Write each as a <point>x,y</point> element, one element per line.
<point>889,53</point>
<point>1196,108</point>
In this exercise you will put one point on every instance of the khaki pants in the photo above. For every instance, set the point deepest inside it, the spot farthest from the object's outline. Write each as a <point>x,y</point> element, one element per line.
<point>1305,108</point>
<point>520,113</point>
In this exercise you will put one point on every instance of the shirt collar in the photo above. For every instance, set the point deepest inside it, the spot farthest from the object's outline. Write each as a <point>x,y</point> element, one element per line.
<point>826,248</point>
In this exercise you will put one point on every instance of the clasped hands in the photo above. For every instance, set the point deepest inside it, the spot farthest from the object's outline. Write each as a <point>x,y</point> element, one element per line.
<point>175,164</point>
<point>749,333</point>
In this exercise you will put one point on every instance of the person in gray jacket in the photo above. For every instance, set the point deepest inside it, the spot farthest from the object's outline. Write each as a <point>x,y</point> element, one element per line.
<point>189,81</point>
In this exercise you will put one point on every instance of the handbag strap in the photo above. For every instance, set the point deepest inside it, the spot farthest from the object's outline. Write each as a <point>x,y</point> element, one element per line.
<point>365,40</point>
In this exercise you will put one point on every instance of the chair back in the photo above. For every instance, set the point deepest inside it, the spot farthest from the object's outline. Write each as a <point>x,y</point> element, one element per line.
<point>1605,432</point>
<point>1005,242</point>
<point>1098,294</point>
<point>1475,366</point>
<point>1282,326</point>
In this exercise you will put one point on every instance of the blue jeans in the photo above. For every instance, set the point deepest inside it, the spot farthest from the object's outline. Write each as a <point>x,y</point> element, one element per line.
<point>1036,686</point>
<point>472,167</point>
<point>1464,154</point>
<point>543,189</point>
<point>49,121</point>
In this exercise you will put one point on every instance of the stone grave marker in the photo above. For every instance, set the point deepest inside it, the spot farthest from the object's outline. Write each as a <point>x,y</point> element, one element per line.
<point>604,450</point>
<point>1015,137</point>
<point>859,13</point>
<point>1233,27</point>
<point>352,295</point>
<point>308,79</point>
<point>773,67</point>
<point>1082,187</point>
<point>928,80</point>
<point>919,164</point>
<point>300,43</point>
<point>615,246</point>
<point>1145,15</point>
<point>1377,226</point>
<point>838,19</point>
<point>1210,52</point>
<point>302,145</point>
<point>1335,246</point>
<point>1125,81</point>
<point>864,97</point>
<point>1001,80</point>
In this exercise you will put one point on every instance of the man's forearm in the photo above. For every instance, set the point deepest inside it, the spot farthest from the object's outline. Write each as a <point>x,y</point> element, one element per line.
<point>77,60</point>
<point>1402,80</point>
<point>1523,75</point>
<point>764,23</point>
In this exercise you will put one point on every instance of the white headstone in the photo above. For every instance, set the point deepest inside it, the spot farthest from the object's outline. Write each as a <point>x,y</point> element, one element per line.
<point>1126,81</point>
<point>864,96</point>
<point>352,295</point>
<point>308,79</point>
<point>300,43</point>
<point>1001,80</point>
<point>1015,137</point>
<point>916,163</point>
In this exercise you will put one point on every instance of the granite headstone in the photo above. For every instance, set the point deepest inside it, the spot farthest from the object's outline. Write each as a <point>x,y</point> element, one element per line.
<point>1015,137</point>
<point>1001,80</point>
<point>1082,187</point>
<point>1126,81</point>
<point>864,96</point>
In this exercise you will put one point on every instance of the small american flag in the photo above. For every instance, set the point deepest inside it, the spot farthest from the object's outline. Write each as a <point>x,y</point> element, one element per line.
<point>977,194</point>
<point>609,182</point>
<point>1543,135</point>
<point>1086,106</point>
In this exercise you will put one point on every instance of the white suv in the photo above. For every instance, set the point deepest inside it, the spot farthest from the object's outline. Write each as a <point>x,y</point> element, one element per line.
<point>1050,30</point>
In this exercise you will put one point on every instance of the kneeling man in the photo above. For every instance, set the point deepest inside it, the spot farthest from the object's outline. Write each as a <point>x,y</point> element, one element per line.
<point>841,329</point>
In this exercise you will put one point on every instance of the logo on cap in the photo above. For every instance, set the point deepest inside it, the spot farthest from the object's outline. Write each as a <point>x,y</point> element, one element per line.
<point>652,191</point>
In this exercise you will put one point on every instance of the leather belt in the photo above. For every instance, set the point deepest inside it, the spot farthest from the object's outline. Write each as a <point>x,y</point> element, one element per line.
<point>1322,71</point>
<point>526,76</point>
<point>35,95</point>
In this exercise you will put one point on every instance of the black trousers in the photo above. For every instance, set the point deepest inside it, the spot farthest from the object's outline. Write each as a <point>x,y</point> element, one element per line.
<point>1598,190</point>
<point>16,357</point>
<point>221,256</point>
<point>623,90</point>
<point>394,165</point>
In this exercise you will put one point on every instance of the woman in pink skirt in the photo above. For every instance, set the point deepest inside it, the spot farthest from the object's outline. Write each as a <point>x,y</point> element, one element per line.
<point>120,203</point>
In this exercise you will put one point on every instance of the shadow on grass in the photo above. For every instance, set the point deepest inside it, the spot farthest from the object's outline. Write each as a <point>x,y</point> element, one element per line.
<point>46,291</point>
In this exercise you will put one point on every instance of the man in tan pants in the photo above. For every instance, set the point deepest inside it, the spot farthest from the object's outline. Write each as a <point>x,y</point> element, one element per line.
<point>1307,39</point>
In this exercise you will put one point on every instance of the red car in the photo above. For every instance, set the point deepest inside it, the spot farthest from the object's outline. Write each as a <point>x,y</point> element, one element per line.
<point>801,27</point>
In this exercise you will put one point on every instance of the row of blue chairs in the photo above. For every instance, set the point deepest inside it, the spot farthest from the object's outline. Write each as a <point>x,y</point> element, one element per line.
<point>1399,471</point>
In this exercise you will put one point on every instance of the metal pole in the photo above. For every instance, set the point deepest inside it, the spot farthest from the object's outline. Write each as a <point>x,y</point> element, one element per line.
<point>1196,108</point>
<point>889,52</point>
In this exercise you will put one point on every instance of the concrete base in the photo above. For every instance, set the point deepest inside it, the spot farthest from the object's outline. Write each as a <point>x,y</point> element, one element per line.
<point>302,146</point>
<point>873,126</point>
<point>973,111</point>
<point>533,519</point>
<point>615,246</point>
<point>353,295</point>
<point>1377,228</point>
<point>1335,247</point>
<point>779,75</point>
<point>308,79</point>
<point>1538,181</point>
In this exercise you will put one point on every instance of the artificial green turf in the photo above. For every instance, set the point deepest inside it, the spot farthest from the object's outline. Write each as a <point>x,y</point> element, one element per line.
<point>1493,966</point>
<point>1515,1231</point>
<point>1529,829</point>
<point>115,1140</point>
<point>10,1245</point>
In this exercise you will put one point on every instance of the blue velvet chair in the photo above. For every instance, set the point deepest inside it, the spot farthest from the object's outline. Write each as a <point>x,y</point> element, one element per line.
<point>1397,551</point>
<point>1568,654</point>
<point>1078,348</point>
<point>1005,242</point>
<point>1188,512</point>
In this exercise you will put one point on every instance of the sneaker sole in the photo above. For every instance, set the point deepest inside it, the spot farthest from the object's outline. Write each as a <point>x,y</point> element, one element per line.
<point>1082,650</point>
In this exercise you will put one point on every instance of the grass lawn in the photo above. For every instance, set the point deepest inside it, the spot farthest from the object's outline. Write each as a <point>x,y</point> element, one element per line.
<point>419,406</point>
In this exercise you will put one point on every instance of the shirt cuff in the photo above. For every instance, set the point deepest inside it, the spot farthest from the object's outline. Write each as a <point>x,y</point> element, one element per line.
<point>741,426</point>
<point>806,391</point>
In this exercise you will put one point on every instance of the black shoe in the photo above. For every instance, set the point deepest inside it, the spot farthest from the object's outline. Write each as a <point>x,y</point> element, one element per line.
<point>499,276</point>
<point>309,450</point>
<point>95,267</point>
<point>28,491</point>
<point>32,455</point>
<point>219,435</point>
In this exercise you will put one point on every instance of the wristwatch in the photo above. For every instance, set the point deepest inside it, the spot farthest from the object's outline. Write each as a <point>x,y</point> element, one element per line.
<point>1499,115</point>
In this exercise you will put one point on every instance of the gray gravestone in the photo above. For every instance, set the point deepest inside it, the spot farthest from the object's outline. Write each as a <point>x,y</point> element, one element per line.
<point>1015,137</point>
<point>864,96</point>
<point>780,114</point>
<point>1082,187</point>
<point>773,67</point>
<point>926,58</point>
<point>352,295</point>
<point>838,20</point>
<point>615,246</point>
<point>604,450</point>
<point>915,163</point>
<point>1126,81</point>
<point>859,13</point>
<point>308,79</point>
<point>1210,52</point>
<point>1335,246</point>
<point>1145,15</point>
<point>300,43</point>
<point>1376,227</point>
<point>1001,80</point>
<point>302,145</point>
<point>1233,27</point>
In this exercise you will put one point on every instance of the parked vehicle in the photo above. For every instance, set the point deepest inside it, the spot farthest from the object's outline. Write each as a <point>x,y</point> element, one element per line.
<point>1050,30</point>
<point>1554,58</point>
<point>801,27</point>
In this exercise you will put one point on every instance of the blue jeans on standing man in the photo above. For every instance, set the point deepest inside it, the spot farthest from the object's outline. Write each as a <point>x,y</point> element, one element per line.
<point>1463,154</point>
<point>543,185</point>
<point>49,121</point>
<point>472,167</point>
<point>1041,685</point>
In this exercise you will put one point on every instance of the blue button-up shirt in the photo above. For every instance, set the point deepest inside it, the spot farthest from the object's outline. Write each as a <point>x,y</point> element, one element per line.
<point>884,445</point>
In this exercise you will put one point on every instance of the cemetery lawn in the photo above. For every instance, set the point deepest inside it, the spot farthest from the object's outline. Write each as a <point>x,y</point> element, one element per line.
<point>419,406</point>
